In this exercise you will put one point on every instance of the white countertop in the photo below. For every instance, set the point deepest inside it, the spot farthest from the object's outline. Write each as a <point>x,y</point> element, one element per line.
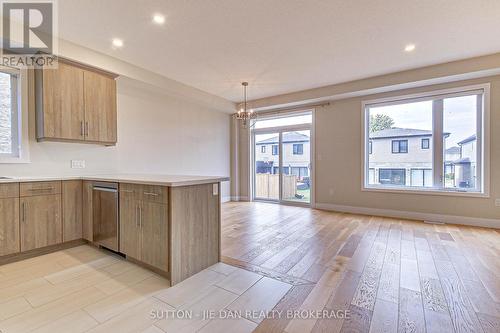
<point>148,179</point>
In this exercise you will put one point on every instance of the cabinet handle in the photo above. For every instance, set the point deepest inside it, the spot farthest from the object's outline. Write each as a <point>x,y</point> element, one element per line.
<point>82,130</point>
<point>86,128</point>
<point>42,189</point>
<point>127,191</point>
<point>137,216</point>
<point>140,217</point>
<point>151,193</point>
<point>23,212</point>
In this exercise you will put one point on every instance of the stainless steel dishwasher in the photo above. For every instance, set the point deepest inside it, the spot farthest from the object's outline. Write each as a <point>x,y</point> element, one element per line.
<point>105,215</point>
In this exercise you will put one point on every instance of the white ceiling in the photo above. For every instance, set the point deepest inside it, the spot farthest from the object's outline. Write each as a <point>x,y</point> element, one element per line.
<point>281,46</point>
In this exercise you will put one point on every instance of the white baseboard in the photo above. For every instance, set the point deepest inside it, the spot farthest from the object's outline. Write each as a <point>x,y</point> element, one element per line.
<point>451,219</point>
<point>236,198</point>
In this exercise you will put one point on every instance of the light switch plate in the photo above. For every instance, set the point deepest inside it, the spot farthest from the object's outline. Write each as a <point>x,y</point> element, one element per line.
<point>215,189</point>
<point>77,164</point>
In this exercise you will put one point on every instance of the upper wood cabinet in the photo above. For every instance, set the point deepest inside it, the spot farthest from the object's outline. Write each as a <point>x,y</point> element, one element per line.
<point>75,103</point>
<point>100,107</point>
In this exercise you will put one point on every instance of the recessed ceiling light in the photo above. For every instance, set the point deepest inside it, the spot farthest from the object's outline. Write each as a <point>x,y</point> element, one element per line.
<point>410,47</point>
<point>117,42</point>
<point>159,19</point>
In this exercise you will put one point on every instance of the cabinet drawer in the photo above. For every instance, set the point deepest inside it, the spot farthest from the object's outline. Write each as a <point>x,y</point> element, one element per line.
<point>9,190</point>
<point>40,188</point>
<point>154,193</point>
<point>131,191</point>
<point>150,193</point>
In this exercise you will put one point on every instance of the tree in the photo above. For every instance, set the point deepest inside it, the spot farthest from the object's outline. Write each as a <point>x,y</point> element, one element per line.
<point>380,122</point>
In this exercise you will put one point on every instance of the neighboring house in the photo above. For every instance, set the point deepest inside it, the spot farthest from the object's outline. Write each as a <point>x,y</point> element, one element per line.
<point>296,155</point>
<point>403,156</point>
<point>465,166</point>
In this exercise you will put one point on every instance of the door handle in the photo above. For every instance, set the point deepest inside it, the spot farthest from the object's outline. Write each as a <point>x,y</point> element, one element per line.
<point>82,130</point>
<point>86,128</point>
<point>151,193</point>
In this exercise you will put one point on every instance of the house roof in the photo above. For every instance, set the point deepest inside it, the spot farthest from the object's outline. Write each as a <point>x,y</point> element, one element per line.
<point>287,138</point>
<point>468,139</point>
<point>453,150</point>
<point>464,160</point>
<point>397,132</point>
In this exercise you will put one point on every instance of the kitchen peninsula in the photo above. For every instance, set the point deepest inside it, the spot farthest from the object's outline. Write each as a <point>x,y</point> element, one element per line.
<point>169,224</point>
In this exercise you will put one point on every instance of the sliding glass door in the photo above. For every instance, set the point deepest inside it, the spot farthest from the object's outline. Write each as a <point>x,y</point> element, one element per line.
<point>296,170</point>
<point>267,166</point>
<point>282,159</point>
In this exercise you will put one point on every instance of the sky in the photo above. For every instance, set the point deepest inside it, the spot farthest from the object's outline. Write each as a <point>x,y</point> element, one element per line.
<point>459,116</point>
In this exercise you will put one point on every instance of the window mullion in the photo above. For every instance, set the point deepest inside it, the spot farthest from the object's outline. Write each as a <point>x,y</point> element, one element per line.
<point>438,143</point>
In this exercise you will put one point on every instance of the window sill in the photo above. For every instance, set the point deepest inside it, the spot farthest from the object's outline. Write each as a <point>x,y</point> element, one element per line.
<point>429,191</point>
<point>14,160</point>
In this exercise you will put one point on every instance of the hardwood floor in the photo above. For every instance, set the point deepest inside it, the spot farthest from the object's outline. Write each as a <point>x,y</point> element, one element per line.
<point>392,275</point>
<point>308,266</point>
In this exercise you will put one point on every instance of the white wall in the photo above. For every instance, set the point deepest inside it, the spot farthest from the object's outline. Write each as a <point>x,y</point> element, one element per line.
<point>157,133</point>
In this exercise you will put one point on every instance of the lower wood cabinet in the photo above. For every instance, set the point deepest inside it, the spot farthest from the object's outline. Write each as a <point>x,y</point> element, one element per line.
<point>130,230</point>
<point>41,222</point>
<point>9,226</point>
<point>87,212</point>
<point>72,193</point>
<point>144,224</point>
<point>154,227</point>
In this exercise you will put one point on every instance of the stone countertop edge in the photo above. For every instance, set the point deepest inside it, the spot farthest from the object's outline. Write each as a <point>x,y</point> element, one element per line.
<point>162,180</point>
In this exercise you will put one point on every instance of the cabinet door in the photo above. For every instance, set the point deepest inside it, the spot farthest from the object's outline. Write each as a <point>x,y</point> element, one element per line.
<point>40,221</point>
<point>72,194</point>
<point>62,116</point>
<point>154,225</point>
<point>87,214</point>
<point>100,107</point>
<point>9,226</point>
<point>130,230</point>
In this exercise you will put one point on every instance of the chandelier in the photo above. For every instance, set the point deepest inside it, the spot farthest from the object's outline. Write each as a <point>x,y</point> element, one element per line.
<point>243,113</point>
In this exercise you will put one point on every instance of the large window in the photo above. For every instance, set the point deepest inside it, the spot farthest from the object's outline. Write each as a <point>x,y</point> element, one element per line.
<point>9,116</point>
<point>426,141</point>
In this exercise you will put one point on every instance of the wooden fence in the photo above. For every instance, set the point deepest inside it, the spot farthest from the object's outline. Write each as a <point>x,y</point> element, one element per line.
<point>267,186</point>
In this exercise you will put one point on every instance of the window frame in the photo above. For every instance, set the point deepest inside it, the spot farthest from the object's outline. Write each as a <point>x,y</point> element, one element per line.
<point>19,82</point>
<point>273,153</point>
<point>399,146</point>
<point>428,143</point>
<point>482,133</point>
<point>296,150</point>
<point>263,149</point>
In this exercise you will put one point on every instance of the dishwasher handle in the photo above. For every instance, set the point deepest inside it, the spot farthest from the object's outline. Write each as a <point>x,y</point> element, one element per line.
<point>105,189</point>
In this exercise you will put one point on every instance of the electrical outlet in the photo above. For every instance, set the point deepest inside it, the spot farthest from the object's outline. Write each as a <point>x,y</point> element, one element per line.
<point>77,164</point>
<point>497,202</point>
